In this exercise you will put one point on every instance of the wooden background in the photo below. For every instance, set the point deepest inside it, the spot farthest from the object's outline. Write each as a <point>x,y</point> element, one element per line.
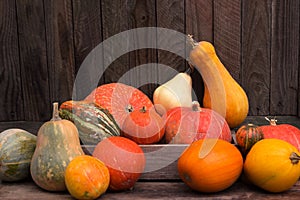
<point>44,42</point>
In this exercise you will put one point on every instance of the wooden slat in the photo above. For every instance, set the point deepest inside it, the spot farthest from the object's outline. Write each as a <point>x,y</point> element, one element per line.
<point>87,36</point>
<point>255,74</point>
<point>11,103</point>
<point>285,57</point>
<point>60,49</point>
<point>170,15</point>
<point>199,23</point>
<point>227,37</point>
<point>151,190</point>
<point>142,14</point>
<point>33,60</point>
<point>115,19</point>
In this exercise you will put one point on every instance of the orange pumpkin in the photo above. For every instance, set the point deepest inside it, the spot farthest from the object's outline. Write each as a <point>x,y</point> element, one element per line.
<point>86,177</point>
<point>210,165</point>
<point>144,126</point>
<point>125,161</point>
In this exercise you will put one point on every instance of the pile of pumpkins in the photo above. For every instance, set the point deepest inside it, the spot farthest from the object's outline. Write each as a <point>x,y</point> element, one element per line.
<point>116,118</point>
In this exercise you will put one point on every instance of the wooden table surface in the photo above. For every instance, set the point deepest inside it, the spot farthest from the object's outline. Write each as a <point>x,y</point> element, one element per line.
<point>150,190</point>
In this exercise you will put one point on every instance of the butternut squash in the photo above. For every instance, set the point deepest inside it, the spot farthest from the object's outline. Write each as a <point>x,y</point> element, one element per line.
<point>222,92</point>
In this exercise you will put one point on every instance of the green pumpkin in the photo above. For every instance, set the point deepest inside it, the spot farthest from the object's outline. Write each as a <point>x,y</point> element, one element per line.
<point>57,144</point>
<point>16,150</point>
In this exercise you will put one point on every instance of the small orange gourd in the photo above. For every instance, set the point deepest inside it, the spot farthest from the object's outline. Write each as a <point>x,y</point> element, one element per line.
<point>216,171</point>
<point>273,165</point>
<point>86,177</point>
<point>222,93</point>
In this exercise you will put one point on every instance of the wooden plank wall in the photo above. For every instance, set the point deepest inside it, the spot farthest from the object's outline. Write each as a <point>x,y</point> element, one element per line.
<point>43,44</point>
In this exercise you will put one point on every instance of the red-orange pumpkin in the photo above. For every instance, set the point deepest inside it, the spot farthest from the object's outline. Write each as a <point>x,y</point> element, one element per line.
<point>213,172</point>
<point>144,126</point>
<point>120,99</point>
<point>286,132</point>
<point>186,125</point>
<point>124,159</point>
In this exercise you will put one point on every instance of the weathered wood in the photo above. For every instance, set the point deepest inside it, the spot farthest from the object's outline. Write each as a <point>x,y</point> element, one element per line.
<point>33,60</point>
<point>284,57</point>
<point>170,14</point>
<point>255,71</point>
<point>11,104</point>
<point>145,77</point>
<point>115,19</point>
<point>87,22</point>
<point>227,37</point>
<point>151,190</point>
<point>199,23</point>
<point>60,50</point>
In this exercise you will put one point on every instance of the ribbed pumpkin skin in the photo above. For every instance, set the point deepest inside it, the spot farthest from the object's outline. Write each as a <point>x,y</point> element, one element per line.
<point>247,135</point>
<point>184,125</point>
<point>286,132</point>
<point>118,98</point>
<point>218,170</point>
<point>16,150</point>
<point>57,144</point>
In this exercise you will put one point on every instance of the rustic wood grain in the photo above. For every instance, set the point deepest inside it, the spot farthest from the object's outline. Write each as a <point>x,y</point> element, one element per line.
<point>115,19</point>
<point>199,23</point>
<point>284,57</point>
<point>33,60</point>
<point>60,49</point>
<point>142,14</point>
<point>11,102</point>
<point>87,22</point>
<point>255,74</point>
<point>227,37</point>
<point>151,190</point>
<point>170,15</point>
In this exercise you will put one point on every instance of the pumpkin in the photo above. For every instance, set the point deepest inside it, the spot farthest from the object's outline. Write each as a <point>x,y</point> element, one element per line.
<point>221,92</point>
<point>16,150</point>
<point>286,132</point>
<point>86,177</point>
<point>247,135</point>
<point>188,124</point>
<point>94,123</point>
<point>125,161</point>
<point>144,126</point>
<point>57,144</point>
<point>119,99</point>
<point>273,165</point>
<point>216,171</point>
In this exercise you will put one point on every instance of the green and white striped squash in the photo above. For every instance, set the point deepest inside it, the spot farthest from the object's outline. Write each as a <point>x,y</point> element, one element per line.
<point>16,149</point>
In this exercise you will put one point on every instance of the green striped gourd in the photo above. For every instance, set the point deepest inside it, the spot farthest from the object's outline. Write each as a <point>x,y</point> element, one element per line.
<point>16,150</point>
<point>94,123</point>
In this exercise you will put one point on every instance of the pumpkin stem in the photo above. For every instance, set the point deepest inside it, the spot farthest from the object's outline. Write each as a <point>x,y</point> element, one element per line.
<point>55,114</point>
<point>294,157</point>
<point>143,109</point>
<point>129,108</point>
<point>272,121</point>
<point>196,106</point>
<point>192,41</point>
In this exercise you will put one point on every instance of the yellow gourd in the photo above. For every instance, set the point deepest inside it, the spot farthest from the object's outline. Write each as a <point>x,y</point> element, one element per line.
<point>221,92</point>
<point>273,165</point>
